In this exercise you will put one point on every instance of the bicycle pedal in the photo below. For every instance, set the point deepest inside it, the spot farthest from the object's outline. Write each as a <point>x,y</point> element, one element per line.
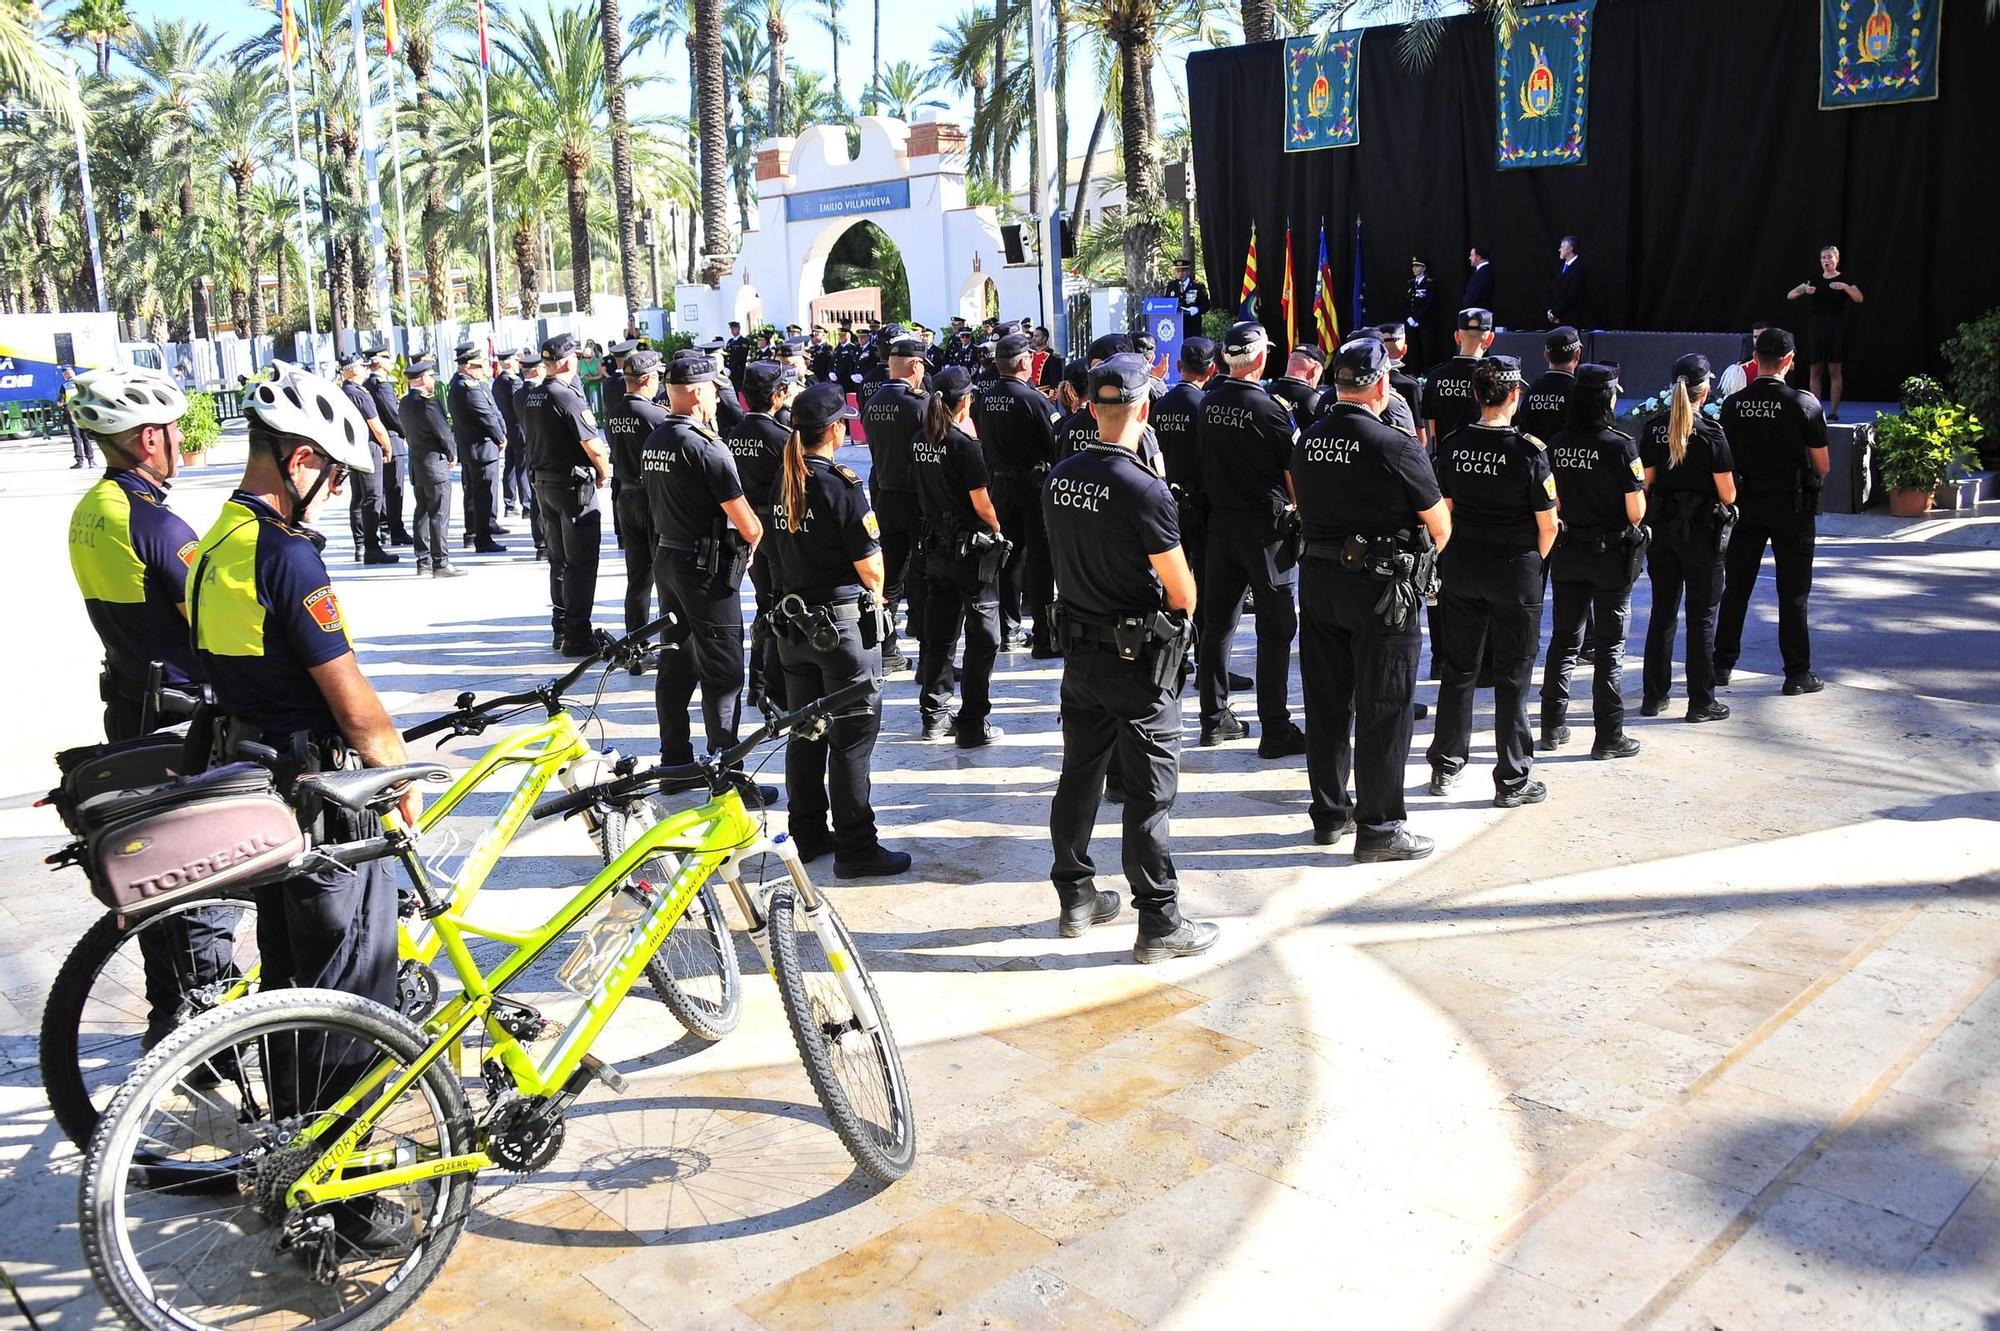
<point>604,1072</point>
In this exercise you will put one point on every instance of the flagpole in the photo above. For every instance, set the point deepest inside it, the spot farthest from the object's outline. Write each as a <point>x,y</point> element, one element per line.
<point>486,153</point>
<point>377,278</point>
<point>299,175</point>
<point>396,156</point>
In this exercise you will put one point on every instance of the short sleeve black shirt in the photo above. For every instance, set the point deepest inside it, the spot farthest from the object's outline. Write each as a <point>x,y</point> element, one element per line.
<point>1497,481</point>
<point>627,428</point>
<point>561,420</point>
<point>1448,401</point>
<point>1771,426</point>
<point>1358,476</point>
<point>1707,453</point>
<point>689,476</point>
<point>1594,471</point>
<point>1246,445</point>
<point>947,473</point>
<point>893,420</point>
<point>1075,432</point>
<point>1300,396</point>
<point>1107,514</point>
<point>758,445</point>
<point>1544,409</point>
<point>836,531</point>
<point>363,403</point>
<point>1017,426</point>
<point>1175,422</point>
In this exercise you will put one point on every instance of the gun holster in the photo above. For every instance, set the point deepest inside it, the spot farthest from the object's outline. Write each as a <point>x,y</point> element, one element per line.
<point>586,484</point>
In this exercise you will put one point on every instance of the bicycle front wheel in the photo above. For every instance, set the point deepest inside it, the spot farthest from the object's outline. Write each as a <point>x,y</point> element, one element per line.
<point>126,987</point>
<point>695,972</point>
<point>185,1216</point>
<point>851,1060</point>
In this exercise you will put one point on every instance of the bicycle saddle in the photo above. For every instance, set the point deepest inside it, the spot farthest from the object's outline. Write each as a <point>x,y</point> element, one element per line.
<point>372,787</point>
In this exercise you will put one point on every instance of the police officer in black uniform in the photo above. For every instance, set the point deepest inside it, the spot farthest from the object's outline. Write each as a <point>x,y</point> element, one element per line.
<point>506,387</point>
<point>1193,298</point>
<point>1373,522</point>
<point>382,389</point>
<point>521,437</point>
<point>571,465</point>
<point>1599,551</point>
<point>1298,387</point>
<point>823,540</point>
<point>1126,598</point>
<point>893,416</point>
<point>1423,325</point>
<point>758,446</point>
<point>1496,481</point>
<point>1246,445</point>
<point>626,430</point>
<point>1016,426</point>
<point>1405,396</point>
<point>846,369</point>
<point>610,403</point>
<point>1448,405</point>
<point>481,434</point>
<point>961,553</point>
<point>735,352</point>
<point>1545,403</point>
<point>431,456</point>
<point>1778,437</point>
<point>364,510</point>
<point>707,534</point>
<point>821,352</point>
<point>1691,481</point>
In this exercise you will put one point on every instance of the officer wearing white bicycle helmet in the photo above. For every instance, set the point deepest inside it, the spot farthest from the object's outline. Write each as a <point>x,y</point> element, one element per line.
<point>269,630</point>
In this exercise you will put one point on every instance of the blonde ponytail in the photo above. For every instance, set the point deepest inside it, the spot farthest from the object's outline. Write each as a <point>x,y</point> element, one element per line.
<point>1680,424</point>
<point>794,480</point>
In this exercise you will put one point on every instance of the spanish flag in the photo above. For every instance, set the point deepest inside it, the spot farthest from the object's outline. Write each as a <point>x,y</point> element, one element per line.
<point>1244,308</point>
<point>1325,303</point>
<point>1291,306</point>
<point>389,26</point>
<point>288,32</point>
<point>485,60</point>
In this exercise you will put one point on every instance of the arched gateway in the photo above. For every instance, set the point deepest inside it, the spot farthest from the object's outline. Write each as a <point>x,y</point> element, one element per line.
<point>908,180</point>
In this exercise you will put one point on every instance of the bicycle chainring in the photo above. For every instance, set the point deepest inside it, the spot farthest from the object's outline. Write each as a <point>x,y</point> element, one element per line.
<point>416,990</point>
<point>524,1135</point>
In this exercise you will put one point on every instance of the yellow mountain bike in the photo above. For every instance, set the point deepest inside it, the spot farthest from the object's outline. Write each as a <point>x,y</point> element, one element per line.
<point>304,1158</point>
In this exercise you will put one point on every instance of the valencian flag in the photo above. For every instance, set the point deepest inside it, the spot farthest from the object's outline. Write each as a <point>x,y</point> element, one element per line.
<point>1542,80</point>
<point>1322,104</point>
<point>1245,303</point>
<point>1887,54</point>
<point>389,26</point>
<point>1325,304</point>
<point>289,30</point>
<point>1291,306</point>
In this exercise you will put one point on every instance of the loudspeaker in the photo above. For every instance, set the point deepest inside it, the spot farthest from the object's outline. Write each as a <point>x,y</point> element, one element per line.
<point>1010,241</point>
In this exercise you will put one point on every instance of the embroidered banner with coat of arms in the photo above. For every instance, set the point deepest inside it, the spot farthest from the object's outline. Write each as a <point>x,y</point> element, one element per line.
<point>1322,91</point>
<point>1542,66</point>
<point>1873,52</point>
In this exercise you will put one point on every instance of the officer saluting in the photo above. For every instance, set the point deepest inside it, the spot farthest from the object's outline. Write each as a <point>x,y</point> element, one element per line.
<point>627,429</point>
<point>758,446</point>
<point>571,465</point>
<point>825,543</point>
<point>1017,427</point>
<point>1598,554</point>
<point>431,456</point>
<point>1373,520</point>
<point>962,554</point>
<point>1126,598</point>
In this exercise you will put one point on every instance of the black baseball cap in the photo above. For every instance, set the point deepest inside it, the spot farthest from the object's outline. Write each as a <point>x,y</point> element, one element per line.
<point>1122,378</point>
<point>1509,368</point>
<point>1391,331</point>
<point>1598,376</point>
<point>1311,351</point>
<point>694,368</point>
<point>1360,362</point>
<point>908,347</point>
<point>1475,320</point>
<point>643,361</point>
<point>818,407</point>
<point>1247,335</point>
<point>555,348</point>
<point>1109,345</point>
<point>1012,345</point>
<point>352,359</point>
<point>1694,368</point>
<point>952,382</point>
<point>1774,343</point>
<point>1197,353</point>
<point>1562,339</point>
<point>625,348</point>
<point>763,377</point>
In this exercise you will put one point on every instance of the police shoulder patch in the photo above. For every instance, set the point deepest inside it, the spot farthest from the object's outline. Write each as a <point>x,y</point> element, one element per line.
<point>852,477</point>
<point>589,418</point>
<point>187,552</point>
<point>1549,484</point>
<point>1540,447</point>
<point>871,526</point>
<point>1638,469</point>
<point>324,607</point>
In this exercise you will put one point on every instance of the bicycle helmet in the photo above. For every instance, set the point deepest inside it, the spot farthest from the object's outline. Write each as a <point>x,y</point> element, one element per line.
<point>120,398</point>
<point>298,402</point>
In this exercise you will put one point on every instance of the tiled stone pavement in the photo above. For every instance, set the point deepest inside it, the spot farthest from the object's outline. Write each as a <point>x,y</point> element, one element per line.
<point>1709,1040</point>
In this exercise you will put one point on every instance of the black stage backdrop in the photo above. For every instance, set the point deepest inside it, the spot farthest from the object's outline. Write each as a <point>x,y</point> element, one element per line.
<point>1712,181</point>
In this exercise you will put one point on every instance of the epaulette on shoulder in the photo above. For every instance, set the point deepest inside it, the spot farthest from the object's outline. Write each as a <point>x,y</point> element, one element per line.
<point>847,473</point>
<point>1620,433</point>
<point>1540,447</point>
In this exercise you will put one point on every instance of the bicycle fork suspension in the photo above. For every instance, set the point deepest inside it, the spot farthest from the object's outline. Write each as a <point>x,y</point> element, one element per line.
<point>859,1001</point>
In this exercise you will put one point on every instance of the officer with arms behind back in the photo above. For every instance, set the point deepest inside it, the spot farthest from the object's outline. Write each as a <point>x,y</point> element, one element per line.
<point>364,509</point>
<point>269,628</point>
<point>1017,428</point>
<point>629,428</point>
<point>963,551</point>
<point>1123,624</point>
<point>825,543</point>
<point>431,456</point>
<point>571,466</point>
<point>1545,403</point>
<point>1502,498</point>
<point>1176,420</point>
<point>1778,437</point>
<point>1246,445</point>
<point>481,434</point>
<point>1373,522</point>
<point>1599,551</point>
<point>894,416</point>
<point>524,436</point>
<point>1691,476</point>
<point>758,446</point>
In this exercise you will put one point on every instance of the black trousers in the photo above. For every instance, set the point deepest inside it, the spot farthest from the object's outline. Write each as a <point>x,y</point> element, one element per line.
<point>574,529</point>
<point>430,513</point>
<point>1359,677</point>
<point>1027,579</point>
<point>1791,537</point>
<point>1112,705</point>
<point>364,509</point>
<point>840,757</point>
<point>957,601</point>
<point>1243,557</point>
<point>767,666</point>
<point>1490,590</point>
<point>711,605</point>
<point>518,481</point>
<point>1692,565</point>
<point>635,519</point>
<point>901,520</point>
<point>394,473</point>
<point>82,446</point>
<point>1591,590</point>
<point>482,493</point>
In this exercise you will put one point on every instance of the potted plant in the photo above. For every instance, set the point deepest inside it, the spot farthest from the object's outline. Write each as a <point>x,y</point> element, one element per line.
<point>1972,357</point>
<point>1919,448</point>
<point>199,428</point>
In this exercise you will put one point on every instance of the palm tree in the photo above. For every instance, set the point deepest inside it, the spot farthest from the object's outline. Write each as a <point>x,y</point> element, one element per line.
<point>808,102</point>
<point>1260,20</point>
<point>875,59</point>
<point>776,32</point>
<point>612,39</point>
<point>830,20</point>
<point>38,164</point>
<point>102,23</point>
<point>28,72</point>
<point>424,26</point>
<point>171,57</point>
<point>274,222</point>
<point>562,61</point>
<point>743,55</point>
<point>1001,37</point>
<point>711,111</point>
<point>237,113</point>
<point>904,89</point>
<point>961,56</point>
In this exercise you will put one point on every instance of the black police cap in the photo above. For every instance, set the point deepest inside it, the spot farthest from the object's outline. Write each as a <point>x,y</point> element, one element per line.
<point>1694,368</point>
<point>763,377</point>
<point>694,368</point>
<point>1197,353</point>
<point>906,346</point>
<point>1393,331</point>
<point>1122,378</point>
<point>530,358</point>
<point>625,348</point>
<point>1475,320</point>
<point>1562,339</point>
<point>1011,346</point>
<point>420,368</point>
<point>1507,369</point>
<point>555,348</point>
<point>1245,336</point>
<point>892,332</point>
<point>952,382</point>
<point>642,362</point>
<point>818,407</point>
<point>1598,376</point>
<point>350,360</point>
<point>1311,351</point>
<point>1360,362</point>
<point>1109,345</point>
<point>462,348</point>
<point>1775,343</point>
<point>794,345</point>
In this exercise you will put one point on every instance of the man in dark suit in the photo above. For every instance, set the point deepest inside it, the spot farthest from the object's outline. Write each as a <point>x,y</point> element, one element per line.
<point>1479,285</point>
<point>1567,303</point>
<point>481,435</point>
<point>382,389</point>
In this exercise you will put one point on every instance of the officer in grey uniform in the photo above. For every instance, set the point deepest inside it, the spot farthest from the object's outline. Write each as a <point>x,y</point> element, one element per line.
<point>431,456</point>
<point>481,434</point>
<point>382,388</point>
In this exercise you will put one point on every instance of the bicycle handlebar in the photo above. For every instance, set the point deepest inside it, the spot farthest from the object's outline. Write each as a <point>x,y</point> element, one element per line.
<point>717,771</point>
